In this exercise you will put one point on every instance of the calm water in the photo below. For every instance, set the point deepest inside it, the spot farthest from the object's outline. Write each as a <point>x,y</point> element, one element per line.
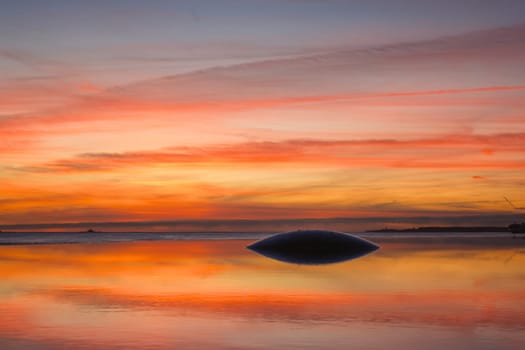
<point>434,292</point>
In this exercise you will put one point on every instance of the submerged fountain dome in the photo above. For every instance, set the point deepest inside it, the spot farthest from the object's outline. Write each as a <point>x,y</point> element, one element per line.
<point>313,247</point>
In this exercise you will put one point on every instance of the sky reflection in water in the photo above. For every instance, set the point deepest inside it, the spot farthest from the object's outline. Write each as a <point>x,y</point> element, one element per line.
<point>217,294</point>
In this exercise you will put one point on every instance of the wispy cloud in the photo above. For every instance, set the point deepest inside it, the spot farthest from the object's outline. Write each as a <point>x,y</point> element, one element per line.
<point>454,152</point>
<point>405,70</point>
<point>25,58</point>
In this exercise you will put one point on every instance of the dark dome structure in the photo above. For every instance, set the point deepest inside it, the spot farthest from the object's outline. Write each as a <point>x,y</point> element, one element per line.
<point>313,247</point>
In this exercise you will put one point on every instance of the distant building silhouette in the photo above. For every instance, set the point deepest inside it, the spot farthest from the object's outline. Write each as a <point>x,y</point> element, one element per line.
<point>517,228</point>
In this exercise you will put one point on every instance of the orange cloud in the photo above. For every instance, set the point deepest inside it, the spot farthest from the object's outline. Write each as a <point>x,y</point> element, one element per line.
<point>87,87</point>
<point>455,151</point>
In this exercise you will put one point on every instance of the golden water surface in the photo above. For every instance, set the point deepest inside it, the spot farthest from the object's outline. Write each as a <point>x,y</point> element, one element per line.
<point>216,294</point>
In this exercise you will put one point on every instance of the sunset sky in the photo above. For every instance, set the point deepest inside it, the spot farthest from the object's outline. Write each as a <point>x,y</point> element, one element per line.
<point>389,112</point>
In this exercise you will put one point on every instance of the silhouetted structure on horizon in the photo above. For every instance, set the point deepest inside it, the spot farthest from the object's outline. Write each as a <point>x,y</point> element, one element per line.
<point>517,228</point>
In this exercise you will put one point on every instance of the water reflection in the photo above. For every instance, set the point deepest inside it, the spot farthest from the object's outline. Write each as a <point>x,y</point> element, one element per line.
<point>216,294</point>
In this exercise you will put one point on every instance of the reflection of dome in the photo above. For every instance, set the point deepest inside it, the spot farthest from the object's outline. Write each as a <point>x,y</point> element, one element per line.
<point>313,247</point>
<point>517,228</point>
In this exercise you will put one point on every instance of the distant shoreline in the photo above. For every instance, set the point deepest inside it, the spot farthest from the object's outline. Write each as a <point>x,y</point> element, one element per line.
<point>423,229</point>
<point>447,229</point>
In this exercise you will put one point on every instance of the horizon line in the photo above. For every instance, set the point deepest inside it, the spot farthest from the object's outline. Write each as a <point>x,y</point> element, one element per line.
<point>329,220</point>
